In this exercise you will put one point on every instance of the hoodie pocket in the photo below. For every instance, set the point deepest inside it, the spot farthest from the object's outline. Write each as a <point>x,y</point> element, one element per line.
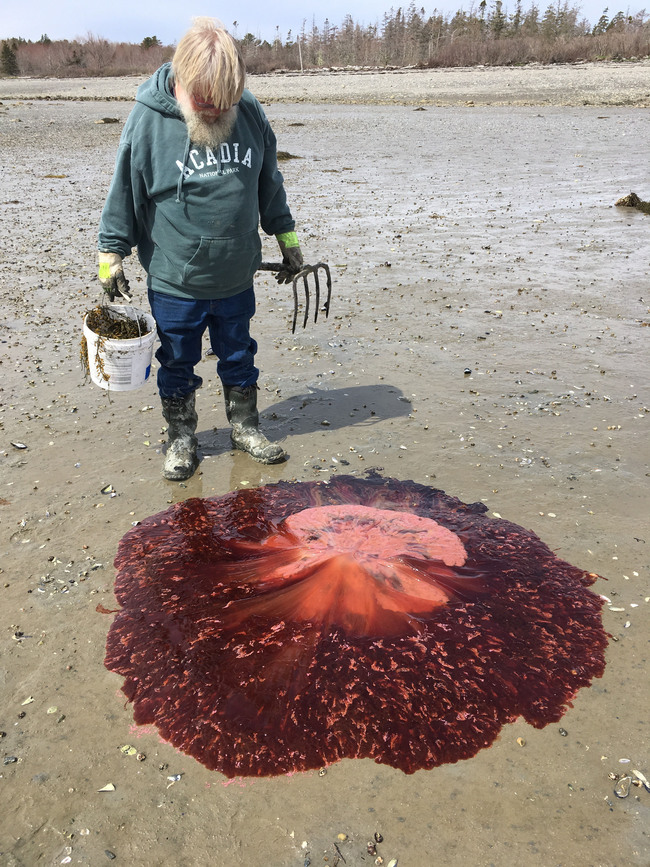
<point>224,263</point>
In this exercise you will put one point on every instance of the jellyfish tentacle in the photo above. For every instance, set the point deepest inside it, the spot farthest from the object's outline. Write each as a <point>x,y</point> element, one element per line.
<point>458,583</point>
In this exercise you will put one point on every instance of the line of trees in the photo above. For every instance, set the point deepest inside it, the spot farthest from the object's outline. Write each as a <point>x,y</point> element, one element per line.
<point>91,56</point>
<point>405,37</point>
<point>484,35</point>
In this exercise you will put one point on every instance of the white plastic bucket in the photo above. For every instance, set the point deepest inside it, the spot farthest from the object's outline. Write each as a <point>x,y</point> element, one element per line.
<point>125,363</point>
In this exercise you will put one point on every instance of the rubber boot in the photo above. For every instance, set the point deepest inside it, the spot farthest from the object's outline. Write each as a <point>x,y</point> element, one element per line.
<point>181,459</point>
<point>241,409</point>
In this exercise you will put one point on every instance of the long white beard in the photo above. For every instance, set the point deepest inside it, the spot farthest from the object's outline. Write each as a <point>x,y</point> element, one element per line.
<point>209,133</point>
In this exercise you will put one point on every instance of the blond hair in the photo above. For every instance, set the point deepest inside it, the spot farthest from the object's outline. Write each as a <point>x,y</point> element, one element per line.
<point>207,63</point>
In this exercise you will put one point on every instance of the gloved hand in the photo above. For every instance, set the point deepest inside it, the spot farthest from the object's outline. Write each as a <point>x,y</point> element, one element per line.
<point>111,276</point>
<point>291,257</point>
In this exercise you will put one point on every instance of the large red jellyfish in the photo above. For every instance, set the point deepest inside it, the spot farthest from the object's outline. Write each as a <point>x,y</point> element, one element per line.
<point>286,627</point>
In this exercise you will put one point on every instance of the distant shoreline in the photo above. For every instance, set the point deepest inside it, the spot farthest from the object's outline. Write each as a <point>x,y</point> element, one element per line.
<point>593,84</point>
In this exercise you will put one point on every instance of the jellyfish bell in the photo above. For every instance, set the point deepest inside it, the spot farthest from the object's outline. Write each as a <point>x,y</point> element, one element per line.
<point>286,627</point>
<point>366,570</point>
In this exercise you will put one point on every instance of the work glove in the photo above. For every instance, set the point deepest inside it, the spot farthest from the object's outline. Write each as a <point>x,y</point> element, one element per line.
<point>111,276</point>
<point>292,260</point>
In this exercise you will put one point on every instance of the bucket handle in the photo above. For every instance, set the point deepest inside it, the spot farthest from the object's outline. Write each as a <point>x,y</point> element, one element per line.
<point>137,319</point>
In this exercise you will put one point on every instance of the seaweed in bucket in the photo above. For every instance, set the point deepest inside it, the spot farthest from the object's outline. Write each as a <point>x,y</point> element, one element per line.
<point>109,323</point>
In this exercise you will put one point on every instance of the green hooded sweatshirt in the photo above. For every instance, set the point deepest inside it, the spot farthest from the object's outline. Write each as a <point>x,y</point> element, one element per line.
<point>193,212</point>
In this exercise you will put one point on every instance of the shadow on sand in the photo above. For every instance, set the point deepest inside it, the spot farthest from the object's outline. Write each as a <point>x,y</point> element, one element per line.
<point>317,409</point>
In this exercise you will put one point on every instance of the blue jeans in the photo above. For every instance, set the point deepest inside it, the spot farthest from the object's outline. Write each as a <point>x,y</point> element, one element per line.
<point>181,324</point>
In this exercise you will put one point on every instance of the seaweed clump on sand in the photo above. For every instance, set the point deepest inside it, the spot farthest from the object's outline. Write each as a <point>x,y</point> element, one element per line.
<point>633,201</point>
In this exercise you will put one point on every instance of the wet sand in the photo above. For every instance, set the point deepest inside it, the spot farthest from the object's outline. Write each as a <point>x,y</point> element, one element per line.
<point>460,237</point>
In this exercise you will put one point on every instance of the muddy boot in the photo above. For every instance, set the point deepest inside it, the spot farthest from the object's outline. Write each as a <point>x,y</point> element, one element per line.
<point>181,418</point>
<point>241,409</point>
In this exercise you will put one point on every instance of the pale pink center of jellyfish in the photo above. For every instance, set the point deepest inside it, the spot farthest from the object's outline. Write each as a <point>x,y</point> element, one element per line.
<point>371,571</point>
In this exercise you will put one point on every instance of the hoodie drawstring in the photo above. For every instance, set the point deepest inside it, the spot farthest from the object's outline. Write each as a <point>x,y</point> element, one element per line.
<point>181,177</point>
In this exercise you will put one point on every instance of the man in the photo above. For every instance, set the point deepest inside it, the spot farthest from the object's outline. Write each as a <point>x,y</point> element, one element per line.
<point>196,173</point>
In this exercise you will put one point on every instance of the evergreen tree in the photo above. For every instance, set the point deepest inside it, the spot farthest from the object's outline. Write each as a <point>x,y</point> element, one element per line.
<point>8,59</point>
<point>150,42</point>
<point>530,26</point>
<point>603,23</point>
<point>515,22</point>
<point>498,20</point>
<point>618,22</point>
<point>550,23</point>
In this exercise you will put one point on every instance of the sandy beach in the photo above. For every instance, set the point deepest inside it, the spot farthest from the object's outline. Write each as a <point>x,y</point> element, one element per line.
<point>468,217</point>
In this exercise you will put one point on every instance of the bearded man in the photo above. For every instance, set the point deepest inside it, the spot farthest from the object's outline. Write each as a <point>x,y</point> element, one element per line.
<point>196,174</point>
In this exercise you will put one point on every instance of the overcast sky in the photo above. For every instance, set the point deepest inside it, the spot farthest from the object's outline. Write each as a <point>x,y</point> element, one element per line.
<point>132,20</point>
